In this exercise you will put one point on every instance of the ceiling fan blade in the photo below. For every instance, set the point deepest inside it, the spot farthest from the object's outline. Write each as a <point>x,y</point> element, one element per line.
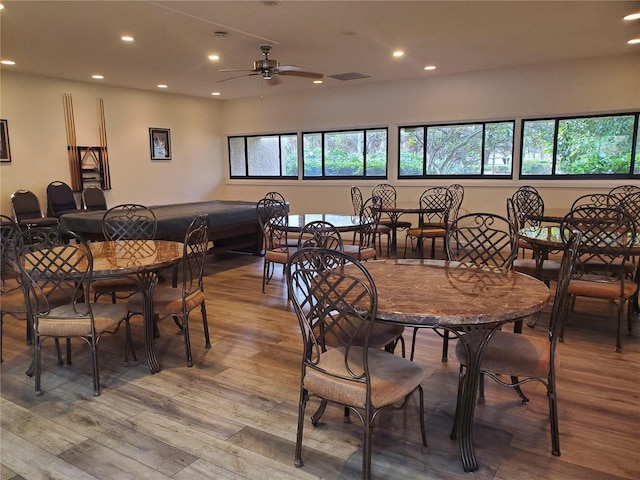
<point>300,73</point>
<point>286,68</point>
<point>238,76</point>
<point>237,70</point>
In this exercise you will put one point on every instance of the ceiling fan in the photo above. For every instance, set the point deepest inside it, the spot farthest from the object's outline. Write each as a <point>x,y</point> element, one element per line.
<point>268,68</point>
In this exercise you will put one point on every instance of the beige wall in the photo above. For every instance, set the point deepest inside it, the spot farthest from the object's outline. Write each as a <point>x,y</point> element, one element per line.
<point>33,107</point>
<point>199,169</point>
<point>589,86</point>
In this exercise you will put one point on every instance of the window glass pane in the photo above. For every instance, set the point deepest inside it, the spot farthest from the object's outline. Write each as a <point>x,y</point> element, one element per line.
<point>312,154</point>
<point>263,156</point>
<point>236,157</point>
<point>537,147</point>
<point>289,148</point>
<point>454,150</point>
<point>498,148</point>
<point>411,151</point>
<point>344,154</point>
<point>376,153</point>
<point>600,145</point>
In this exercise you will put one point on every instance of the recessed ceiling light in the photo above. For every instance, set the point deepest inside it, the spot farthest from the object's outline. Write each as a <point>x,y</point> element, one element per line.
<point>126,38</point>
<point>633,41</point>
<point>98,77</point>
<point>1,6</point>
<point>318,82</point>
<point>162,85</point>
<point>214,57</point>
<point>215,94</point>
<point>398,53</point>
<point>7,62</point>
<point>430,67</point>
<point>632,16</point>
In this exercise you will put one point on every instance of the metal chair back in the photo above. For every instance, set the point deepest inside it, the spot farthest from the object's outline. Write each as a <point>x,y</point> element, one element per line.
<point>129,221</point>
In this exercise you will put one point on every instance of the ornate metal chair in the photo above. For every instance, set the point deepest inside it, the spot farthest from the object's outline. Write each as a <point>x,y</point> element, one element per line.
<point>127,221</point>
<point>381,230</point>
<point>274,221</point>
<point>275,196</point>
<point>320,234</point>
<point>525,358</point>
<point>338,364</point>
<point>179,302</point>
<point>483,240</point>
<point>528,206</point>
<point>622,191</point>
<point>388,195</point>
<point>601,271</point>
<point>369,220</point>
<point>60,199</point>
<point>93,199</point>
<point>51,268</point>
<point>27,212</point>
<point>595,200</point>
<point>435,205</point>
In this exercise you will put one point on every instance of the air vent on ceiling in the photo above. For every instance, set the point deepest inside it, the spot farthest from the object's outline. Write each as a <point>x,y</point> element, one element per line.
<point>349,76</point>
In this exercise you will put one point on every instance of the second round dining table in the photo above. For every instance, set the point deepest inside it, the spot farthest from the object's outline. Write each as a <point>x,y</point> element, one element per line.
<point>462,299</point>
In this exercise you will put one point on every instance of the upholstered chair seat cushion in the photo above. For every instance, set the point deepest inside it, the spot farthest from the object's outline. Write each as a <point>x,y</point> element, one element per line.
<point>107,316</point>
<point>122,284</point>
<point>279,255</point>
<point>427,232</point>
<point>166,301</point>
<point>392,378</point>
<point>513,354</point>
<point>590,286</point>
<point>354,251</point>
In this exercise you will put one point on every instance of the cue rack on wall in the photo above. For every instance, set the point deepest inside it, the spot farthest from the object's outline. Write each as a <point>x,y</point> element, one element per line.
<point>88,165</point>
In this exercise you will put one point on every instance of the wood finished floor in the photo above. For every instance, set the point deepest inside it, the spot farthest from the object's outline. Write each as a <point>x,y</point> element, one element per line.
<point>233,415</point>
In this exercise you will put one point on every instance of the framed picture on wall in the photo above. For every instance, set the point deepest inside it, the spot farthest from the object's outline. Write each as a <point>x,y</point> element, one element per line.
<point>160,143</point>
<point>5,151</point>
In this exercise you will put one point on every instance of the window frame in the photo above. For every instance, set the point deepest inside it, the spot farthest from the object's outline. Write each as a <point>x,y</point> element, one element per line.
<point>324,176</point>
<point>246,156</point>
<point>553,176</point>
<point>481,175</point>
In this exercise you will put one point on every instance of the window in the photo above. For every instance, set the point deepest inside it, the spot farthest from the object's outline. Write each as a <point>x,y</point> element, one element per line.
<point>345,154</point>
<point>264,156</point>
<point>457,151</point>
<point>580,147</point>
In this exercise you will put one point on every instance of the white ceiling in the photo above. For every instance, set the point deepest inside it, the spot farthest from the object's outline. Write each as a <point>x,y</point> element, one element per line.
<point>75,39</point>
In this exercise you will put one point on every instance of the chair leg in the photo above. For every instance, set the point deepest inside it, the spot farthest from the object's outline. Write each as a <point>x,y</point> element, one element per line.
<point>68,351</point>
<point>205,325</point>
<point>619,332</point>
<point>58,351</point>
<point>481,389</point>
<point>517,388</point>
<point>315,418</point>
<point>187,340</point>
<point>553,417</point>
<point>38,351</point>
<point>366,448</point>
<point>301,407</point>
<point>413,343</point>
<point>94,362</point>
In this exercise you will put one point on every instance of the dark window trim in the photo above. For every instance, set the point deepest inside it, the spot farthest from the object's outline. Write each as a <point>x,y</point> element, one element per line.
<point>481,175</point>
<point>364,176</point>
<point>246,157</point>
<point>595,176</point>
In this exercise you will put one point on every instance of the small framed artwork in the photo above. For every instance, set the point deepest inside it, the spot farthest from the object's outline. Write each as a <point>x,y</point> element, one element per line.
<point>5,151</point>
<point>160,143</point>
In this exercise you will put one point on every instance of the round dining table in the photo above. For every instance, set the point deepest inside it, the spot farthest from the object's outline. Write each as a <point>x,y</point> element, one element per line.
<point>471,302</point>
<point>141,259</point>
